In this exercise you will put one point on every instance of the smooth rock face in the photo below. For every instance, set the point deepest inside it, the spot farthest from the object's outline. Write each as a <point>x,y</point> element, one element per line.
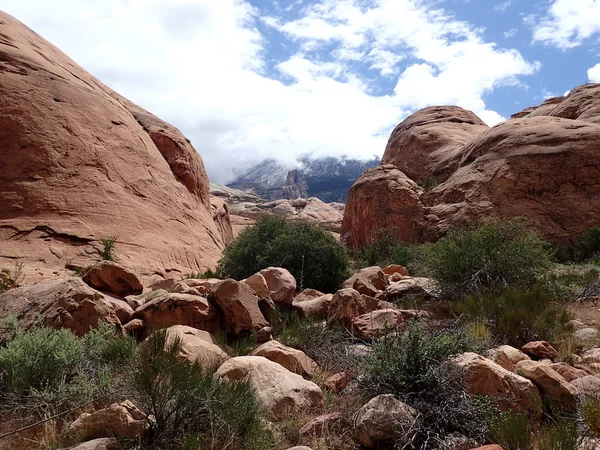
<point>540,350</point>
<point>383,197</point>
<point>383,420</point>
<point>281,283</point>
<point>569,373</point>
<point>80,162</point>
<point>62,303</point>
<point>421,287</point>
<point>239,306</point>
<point>375,324</point>
<point>367,281</point>
<point>554,388</point>
<point>110,277</point>
<point>541,166</point>
<point>122,420</point>
<point>279,390</point>
<point>507,356</point>
<point>321,424</point>
<point>259,285</point>
<point>197,346</point>
<point>315,308</point>
<point>428,143</point>
<point>511,391</point>
<point>292,359</point>
<point>178,309</point>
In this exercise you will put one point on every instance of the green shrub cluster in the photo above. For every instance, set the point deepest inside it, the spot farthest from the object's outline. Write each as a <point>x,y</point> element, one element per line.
<point>585,248</point>
<point>413,365</point>
<point>192,408</point>
<point>386,249</point>
<point>312,255</point>
<point>517,315</point>
<point>495,252</point>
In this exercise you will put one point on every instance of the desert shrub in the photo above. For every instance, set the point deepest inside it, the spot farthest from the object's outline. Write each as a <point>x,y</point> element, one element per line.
<point>561,434</point>
<point>192,408</point>
<point>585,248</point>
<point>236,346</point>
<point>39,359</point>
<point>516,316</point>
<point>10,279</point>
<point>208,273</point>
<point>503,252</point>
<point>108,248</point>
<point>511,430</point>
<point>589,411</point>
<point>312,255</point>
<point>386,249</point>
<point>413,365</point>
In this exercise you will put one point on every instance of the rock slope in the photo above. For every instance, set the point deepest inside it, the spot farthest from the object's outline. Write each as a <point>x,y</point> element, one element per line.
<point>79,162</point>
<point>444,168</point>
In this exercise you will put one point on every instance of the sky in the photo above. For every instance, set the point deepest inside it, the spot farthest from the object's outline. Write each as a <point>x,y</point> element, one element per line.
<point>247,80</point>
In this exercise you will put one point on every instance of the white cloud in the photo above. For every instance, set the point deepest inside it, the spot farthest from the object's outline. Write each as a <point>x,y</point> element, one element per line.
<point>593,74</point>
<point>511,33</point>
<point>502,7</point>
<point>567,23</point>
<point>202,65</point>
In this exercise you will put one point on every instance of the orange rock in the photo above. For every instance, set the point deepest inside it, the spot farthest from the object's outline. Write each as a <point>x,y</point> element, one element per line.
<point>540,350</point>
<point>368,281</point>
<point>62,303</point>
<point>80,162</point>
<point>395,268</point>
<point>292,359</point>
<point>281,283</point>
<point>111,277</point>
<point>345,306</point>
<point>240,307</point>
<point>337,382</point>
<point>321,424</point>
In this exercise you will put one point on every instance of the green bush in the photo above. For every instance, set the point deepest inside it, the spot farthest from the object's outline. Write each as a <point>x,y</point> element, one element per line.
<point>585,248</point>
<point>516,316</point>
<point>312,255</point>
<point>108,248</point>
<point>40,359</point>
<point>560,435</point>
<point>405,362</point>
<point>386,249</point>
<point>413,366</point>
<point>192,408</point>
<point>502,252</point>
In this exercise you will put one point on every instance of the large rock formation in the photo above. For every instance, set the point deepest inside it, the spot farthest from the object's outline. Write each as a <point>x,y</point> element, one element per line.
<point>79,162</point>
<point>544,164</point>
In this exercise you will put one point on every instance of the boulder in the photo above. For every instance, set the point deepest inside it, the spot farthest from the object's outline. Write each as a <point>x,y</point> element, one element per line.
<point>61,303</point>
<point>587,334</point>
<point>591,356</point>
<point>120,306</point>
<point>568,372</point>
<point>368,281</point>
<point>184,288</point>
<point>347,304</point>
<point>540,350</point>
<point>396,268</point>
<point>489,447</point>
<point>336,382</point>
<point>197,346</point>
<point>427,144</point>
<point>239,306</point>
<point>111,277</point>
<point>535,166</point>
<point>202,285</point>
<point>97,444</point>
<point>307,294</point>
<point>292,359</point>
<point>259,285</point>
<point>554,388</point>
<point>425,288</point>
<point>507,356</point>
<point>178,309</point>
<point>281,283</point>
<point>134,326</point>
<point>315,308</point>
<point>511,391</point>
<point>588,385</point>
<point>121,420</point>
<point>383,420</point>
<point>80,162</point>
<point>279,390</point>
<point>375,324</point>
<point>321,425</point>
<point>383,198</point>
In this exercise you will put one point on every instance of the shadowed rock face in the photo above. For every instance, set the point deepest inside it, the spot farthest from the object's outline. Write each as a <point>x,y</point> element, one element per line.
<point>543,164</point>
<point>79,162</point>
